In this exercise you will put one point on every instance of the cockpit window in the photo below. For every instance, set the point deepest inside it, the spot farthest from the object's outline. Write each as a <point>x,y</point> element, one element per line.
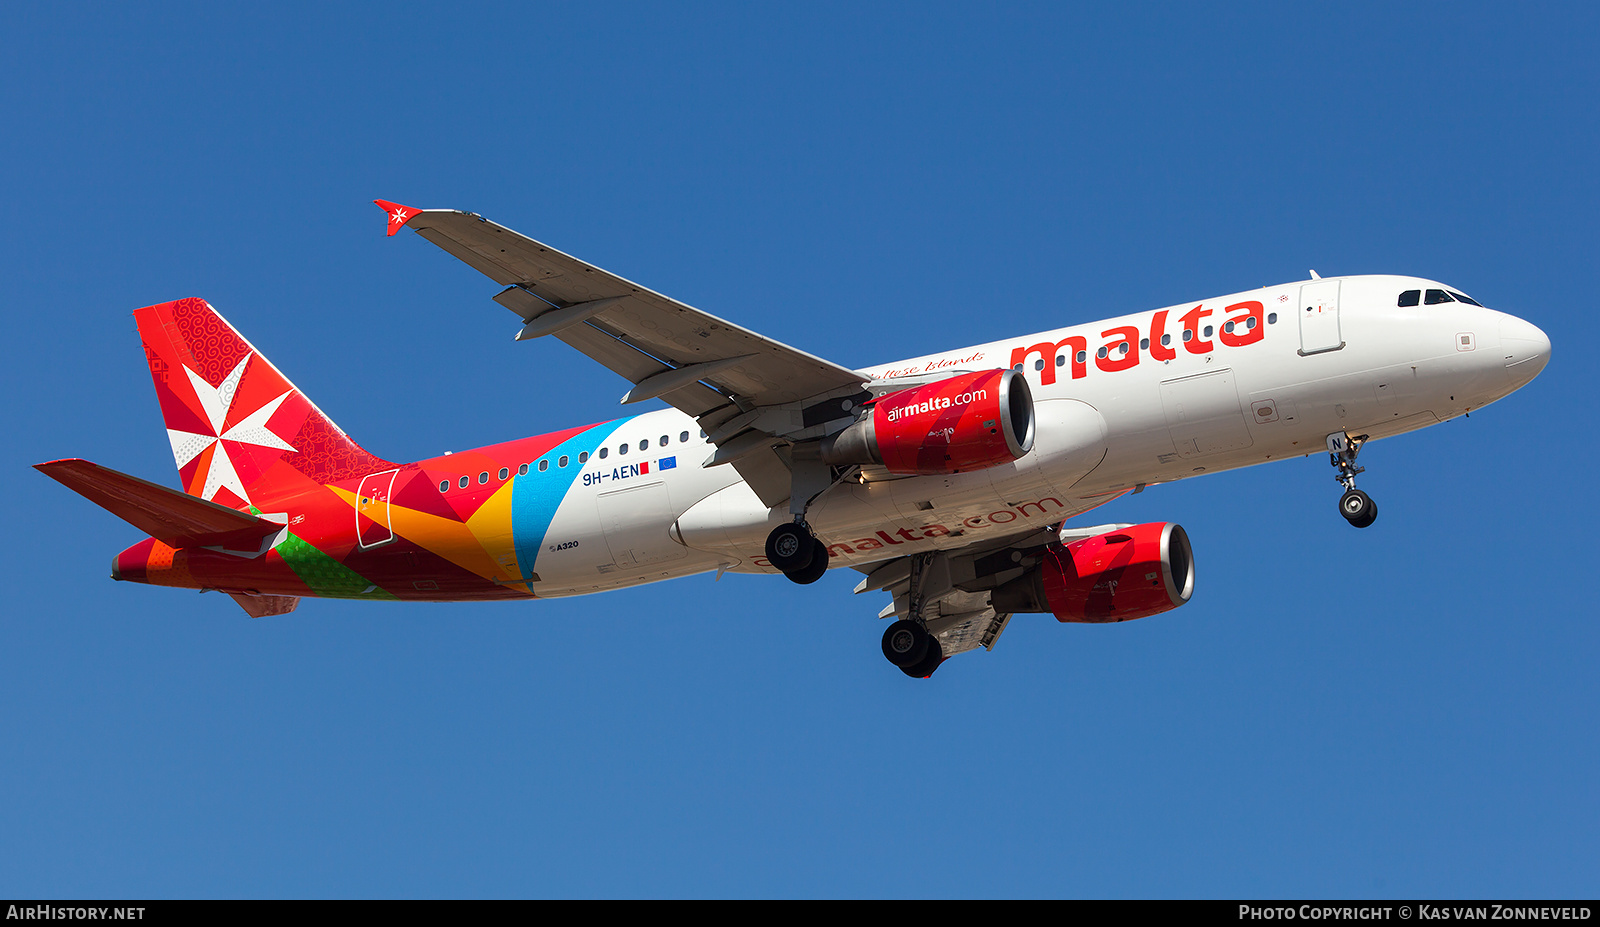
<point>1435,297</point>
<point>1462,297</point>
<point>1410,298</point>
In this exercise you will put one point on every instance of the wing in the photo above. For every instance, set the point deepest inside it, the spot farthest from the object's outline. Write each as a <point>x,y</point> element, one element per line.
<point>725,376</point>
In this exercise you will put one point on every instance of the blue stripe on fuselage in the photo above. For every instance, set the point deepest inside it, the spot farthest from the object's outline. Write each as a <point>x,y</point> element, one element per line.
<point>535,496</point>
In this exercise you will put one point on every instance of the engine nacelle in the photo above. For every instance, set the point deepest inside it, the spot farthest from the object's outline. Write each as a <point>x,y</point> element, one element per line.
<point>972,421</point>
<point>1129,573</point>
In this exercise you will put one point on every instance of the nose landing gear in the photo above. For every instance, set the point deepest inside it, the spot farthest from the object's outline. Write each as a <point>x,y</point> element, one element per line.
<point>1356,506</point>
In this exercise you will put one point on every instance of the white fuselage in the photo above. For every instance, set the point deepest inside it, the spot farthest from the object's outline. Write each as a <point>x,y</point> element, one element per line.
<point>1298,362</point>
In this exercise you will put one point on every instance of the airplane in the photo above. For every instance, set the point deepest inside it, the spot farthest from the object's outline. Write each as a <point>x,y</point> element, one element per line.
<point>947,480</point>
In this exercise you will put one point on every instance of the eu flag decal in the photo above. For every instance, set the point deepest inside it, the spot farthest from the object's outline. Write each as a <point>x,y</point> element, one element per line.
<point>667,463</point>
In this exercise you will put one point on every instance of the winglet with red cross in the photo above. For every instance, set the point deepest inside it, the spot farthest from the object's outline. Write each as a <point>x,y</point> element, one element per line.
<point>398,215</point>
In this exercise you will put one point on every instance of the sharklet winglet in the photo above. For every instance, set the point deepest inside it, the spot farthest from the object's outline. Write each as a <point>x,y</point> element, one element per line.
<point>398,215</point>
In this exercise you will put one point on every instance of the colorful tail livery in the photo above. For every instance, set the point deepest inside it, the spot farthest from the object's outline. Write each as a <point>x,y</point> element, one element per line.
<point>280,503</point>
<point>237,426</point>
<point>946,479</point>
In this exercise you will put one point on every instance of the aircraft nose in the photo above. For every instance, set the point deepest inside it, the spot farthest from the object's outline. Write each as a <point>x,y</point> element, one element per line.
<point>1526,348</point>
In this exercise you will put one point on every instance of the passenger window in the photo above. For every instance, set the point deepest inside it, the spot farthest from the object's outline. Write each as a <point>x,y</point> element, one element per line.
<point>1144,344</point>
<point>644,444</point>
<point>483,477</point>
<point>605,452</point>
<point>683,438</point>
<point>465,482</point>
<point>522,470</point>
<point>444,485</point>
<point>623,449</point>
<point>1188,335</point>
<point>1249,323</point>
<point>1228,327</point>
<point>1409,298</point>
<point>562,462</point>
<point>1038,364</point>
<point>1272,318</point>
<point>1209,330</point>
<point>544,465</point>
<point>1101,353</point>
<point>1436,297</point>
<point>1083,356</point>
<point>1166,339</point>
<point>583,457</point>
<point>1061,360</point>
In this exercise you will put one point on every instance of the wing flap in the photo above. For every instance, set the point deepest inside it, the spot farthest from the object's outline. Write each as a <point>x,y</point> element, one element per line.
<point>174,518</point>
<point>637,366</point>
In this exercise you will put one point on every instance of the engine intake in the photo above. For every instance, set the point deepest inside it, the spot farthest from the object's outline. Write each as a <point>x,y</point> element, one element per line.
<point>1118,576</point>
<point>968,422</point>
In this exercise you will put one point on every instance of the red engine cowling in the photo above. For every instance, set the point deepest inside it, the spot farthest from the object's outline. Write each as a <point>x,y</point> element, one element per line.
<point>968,422</point>
<point>1130,573</point>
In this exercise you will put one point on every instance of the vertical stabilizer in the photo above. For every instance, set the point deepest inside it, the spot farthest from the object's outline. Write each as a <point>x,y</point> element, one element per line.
<point>237,425</point>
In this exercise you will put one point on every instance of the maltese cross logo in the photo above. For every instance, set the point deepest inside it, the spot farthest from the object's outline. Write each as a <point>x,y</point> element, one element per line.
<point>217,402</point>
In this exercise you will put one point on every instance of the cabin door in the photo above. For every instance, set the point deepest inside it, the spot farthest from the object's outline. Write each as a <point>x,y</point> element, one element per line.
<point>372,509</point>
<point>1319,317</point>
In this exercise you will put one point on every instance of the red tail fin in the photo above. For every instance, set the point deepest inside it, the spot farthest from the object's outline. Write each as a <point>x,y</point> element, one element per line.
<point>236,424</point>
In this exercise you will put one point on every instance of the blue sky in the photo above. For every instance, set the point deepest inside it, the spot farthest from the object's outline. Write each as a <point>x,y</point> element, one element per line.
<point>1408,710</point>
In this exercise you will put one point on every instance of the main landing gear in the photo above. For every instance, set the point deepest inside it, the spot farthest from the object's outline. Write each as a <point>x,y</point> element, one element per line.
<point>1356,506</point>
<point>909,646</point>
<point>793,549</point>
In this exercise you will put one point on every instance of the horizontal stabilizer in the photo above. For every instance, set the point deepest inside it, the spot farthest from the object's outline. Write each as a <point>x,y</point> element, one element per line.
<point>174,518</point>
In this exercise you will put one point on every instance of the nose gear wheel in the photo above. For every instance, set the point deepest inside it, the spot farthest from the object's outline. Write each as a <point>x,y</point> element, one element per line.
<point>1358,508</point>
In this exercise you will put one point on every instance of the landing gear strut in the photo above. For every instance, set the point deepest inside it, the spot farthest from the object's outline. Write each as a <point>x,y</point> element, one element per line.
<point>1356,506</point>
